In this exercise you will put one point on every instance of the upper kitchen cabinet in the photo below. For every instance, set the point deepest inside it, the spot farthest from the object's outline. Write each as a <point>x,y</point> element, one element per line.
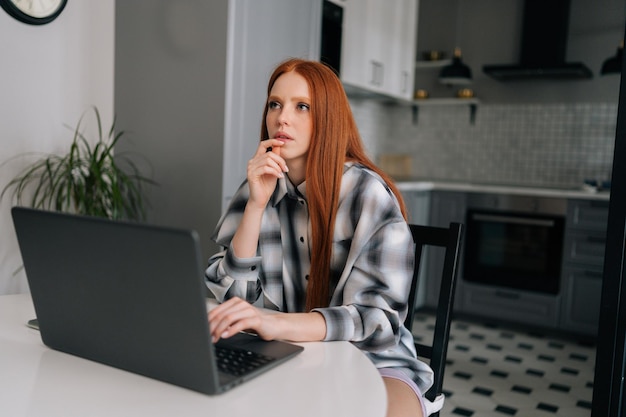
<point>403,54</point>
<point>375,46</point>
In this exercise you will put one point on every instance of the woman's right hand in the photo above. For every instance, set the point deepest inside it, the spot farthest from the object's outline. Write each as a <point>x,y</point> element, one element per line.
<point>236,315</point>
<point>264,169</point>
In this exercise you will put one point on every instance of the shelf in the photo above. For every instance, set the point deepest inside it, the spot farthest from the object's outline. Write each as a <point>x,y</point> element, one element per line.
<point>471,102</point>
<point>445,102</point>
<point>432,64</point>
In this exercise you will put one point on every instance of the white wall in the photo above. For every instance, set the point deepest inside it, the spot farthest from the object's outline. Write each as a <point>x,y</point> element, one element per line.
<point>50,75</point>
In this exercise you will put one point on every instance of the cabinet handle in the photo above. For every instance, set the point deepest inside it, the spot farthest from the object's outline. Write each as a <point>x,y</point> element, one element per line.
<point>378,73</point>
<point>592,274</point>
<point>510,219</point>
<point>374,66</point>
<point>509,295</point>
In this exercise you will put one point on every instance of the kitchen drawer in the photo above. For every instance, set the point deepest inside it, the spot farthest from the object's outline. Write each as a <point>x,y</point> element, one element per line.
<point>588,214</point>
<point>585,248</point>
<point>511,305</point>
<point>582,289</point>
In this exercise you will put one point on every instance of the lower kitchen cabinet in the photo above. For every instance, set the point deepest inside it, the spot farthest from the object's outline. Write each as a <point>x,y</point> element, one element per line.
<point>584,247</point>
<point>581,299</point>
<point>517,306</point>
<point>576,307</point>
<point>588,214</point>
<point>418,207</point>
<point>445,207</point>
<point>583,261</point>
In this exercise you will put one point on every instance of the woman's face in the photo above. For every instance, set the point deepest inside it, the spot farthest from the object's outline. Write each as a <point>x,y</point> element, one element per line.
<point>289,116</point>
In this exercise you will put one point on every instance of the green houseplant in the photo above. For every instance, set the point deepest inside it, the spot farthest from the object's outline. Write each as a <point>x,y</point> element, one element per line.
<point>87,180</point>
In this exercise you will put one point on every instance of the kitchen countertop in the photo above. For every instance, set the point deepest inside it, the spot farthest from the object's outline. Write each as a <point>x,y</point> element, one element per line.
<point>573,192</point>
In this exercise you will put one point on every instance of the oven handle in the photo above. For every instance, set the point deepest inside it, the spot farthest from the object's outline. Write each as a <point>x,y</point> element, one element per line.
<point>511,219</point>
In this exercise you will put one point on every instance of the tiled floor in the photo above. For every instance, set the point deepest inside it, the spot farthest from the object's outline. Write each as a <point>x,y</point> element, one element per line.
<point>495,371</point>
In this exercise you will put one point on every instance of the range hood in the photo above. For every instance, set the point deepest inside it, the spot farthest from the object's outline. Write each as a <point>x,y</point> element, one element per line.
<point>544,43</point>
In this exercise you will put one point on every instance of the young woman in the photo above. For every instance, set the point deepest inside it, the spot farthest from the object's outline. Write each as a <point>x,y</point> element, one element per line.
<point>319,233</point>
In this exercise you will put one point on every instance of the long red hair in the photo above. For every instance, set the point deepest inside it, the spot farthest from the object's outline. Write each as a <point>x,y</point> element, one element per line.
<point>335,140</point>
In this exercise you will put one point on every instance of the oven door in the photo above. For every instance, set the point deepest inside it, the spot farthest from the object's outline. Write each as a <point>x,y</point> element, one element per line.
<point>514,250</point>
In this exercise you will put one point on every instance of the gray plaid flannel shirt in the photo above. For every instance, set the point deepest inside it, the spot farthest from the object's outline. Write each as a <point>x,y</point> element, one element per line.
<point>371,266</point>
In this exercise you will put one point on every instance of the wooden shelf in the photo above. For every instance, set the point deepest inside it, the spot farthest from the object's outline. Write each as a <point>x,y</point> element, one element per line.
<point>471,102</point>
<point>432,64</point>
<point>444,101</point>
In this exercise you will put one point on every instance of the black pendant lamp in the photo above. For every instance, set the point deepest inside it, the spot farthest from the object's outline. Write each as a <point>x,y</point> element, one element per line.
<point>457,73</point>
<point>613,65</point>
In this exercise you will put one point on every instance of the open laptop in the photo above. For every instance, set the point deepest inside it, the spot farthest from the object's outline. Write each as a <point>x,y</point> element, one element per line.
<point>131,296</point>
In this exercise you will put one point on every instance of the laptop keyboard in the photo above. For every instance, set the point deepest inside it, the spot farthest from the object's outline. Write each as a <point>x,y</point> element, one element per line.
<point>238,362</point>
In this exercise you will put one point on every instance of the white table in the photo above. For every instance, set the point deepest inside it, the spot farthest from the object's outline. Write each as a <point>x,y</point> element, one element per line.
<point>327,379</point>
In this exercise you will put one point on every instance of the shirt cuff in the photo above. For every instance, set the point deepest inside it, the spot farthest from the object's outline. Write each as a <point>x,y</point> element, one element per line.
<point>241,268</point>
<point>339,323</point>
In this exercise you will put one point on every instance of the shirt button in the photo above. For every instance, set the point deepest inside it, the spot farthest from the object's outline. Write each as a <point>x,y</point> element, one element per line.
<point>253,267</point>
<point>301,239</point>
<point>306,277</point>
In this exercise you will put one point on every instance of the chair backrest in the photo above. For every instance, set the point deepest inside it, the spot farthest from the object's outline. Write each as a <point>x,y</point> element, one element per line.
<point>449,238</point>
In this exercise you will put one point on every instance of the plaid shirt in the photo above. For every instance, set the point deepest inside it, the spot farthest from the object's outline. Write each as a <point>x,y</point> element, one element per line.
<point>371,266</point>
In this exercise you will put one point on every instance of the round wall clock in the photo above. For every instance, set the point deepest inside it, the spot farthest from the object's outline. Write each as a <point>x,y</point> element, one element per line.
<point>34,12</point>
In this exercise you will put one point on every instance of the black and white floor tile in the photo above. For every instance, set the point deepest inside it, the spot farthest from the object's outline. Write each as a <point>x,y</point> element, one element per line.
<point>498,371</point>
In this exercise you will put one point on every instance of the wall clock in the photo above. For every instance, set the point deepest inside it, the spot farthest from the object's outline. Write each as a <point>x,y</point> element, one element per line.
<point>34,12</point>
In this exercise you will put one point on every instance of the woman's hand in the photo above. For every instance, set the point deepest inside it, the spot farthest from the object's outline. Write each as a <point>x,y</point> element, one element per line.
<point>236,315</point>
<point>264,169</point>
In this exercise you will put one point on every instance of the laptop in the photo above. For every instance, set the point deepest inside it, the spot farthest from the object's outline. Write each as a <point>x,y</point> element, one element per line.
<point>131,296</point>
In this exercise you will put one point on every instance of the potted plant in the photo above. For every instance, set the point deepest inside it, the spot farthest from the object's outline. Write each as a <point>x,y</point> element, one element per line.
<point>89,179</point>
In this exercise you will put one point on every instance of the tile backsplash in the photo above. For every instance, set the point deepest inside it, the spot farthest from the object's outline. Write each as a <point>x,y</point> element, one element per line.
<point>515,144</point>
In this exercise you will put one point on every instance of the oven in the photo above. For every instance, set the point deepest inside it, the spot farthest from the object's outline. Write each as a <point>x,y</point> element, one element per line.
<point>514,242</point>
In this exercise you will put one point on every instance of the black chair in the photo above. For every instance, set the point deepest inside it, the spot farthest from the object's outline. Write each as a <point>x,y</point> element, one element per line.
<point>450,239</point>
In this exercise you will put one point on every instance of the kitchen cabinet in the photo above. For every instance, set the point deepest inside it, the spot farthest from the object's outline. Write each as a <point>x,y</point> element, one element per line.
<point>583,260</point>
<point>418,207</point>
<point>575,309</point>
<point>378,46</point>
<point>445,207</point>
<point>500,303</point>
<point>403,52</point>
